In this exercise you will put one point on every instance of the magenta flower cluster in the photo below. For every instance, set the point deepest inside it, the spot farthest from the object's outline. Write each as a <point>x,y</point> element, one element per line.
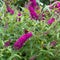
<point>50,21</point>
<point>58,5</point>
<point>21,40</point>
<point>33,14</point>
<point>7,43</point>
<point>18,16</point>
<point>33,3</point>
<point>11,11</point>
<point>32,9</point>
<point>53,43</point>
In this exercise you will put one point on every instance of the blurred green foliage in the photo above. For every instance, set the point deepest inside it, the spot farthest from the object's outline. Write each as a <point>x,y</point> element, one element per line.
<point>45,1</point>
<point>16,2</point>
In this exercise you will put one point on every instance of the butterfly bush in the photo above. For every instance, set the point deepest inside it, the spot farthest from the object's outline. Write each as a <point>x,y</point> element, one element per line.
<point>20,42</point>
<point>58,5</point>
<point>33,33</point>
<point>7,43</point>
<point>33,8</point>
<point>53,43</point>
<point>11,11</point>
<point>50,21</point>
<point>33,14</point>
<point>33,3</point>
<point>19,14</point>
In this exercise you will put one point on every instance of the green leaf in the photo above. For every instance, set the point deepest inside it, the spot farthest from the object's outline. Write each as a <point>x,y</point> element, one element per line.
<point>1,43</point>
<point>14,55</point>
<point>38,1</point>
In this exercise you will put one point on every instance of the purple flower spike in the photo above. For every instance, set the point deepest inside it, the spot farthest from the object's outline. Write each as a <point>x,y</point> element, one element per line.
<point>33,3</point>
<point>11,11</point>
<point>53,43</point>
<point>6,44</point>
<point>21,40</point>
<point>50,21</point>
<point>33,14</point>
<point>8,9</point>
<point>58,4</point>
<point>19,14</point>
